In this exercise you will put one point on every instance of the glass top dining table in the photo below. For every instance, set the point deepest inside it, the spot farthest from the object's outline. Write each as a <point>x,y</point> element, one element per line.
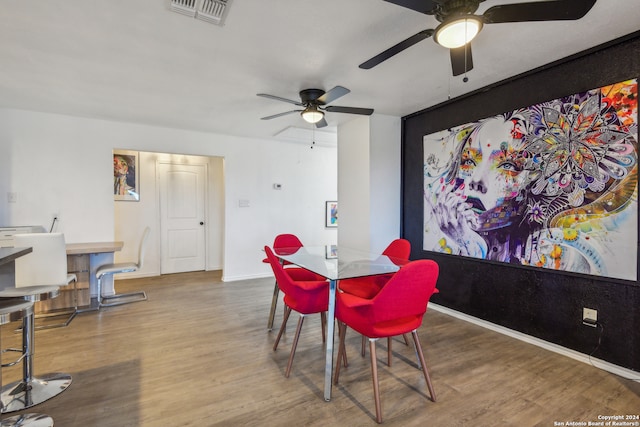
<point>336,263</point>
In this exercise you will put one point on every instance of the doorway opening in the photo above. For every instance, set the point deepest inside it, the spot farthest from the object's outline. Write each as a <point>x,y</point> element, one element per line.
<point>177,193</point>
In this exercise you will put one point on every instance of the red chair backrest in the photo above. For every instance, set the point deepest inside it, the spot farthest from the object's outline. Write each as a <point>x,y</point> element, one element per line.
<point>407,293</point>
<point>285,283</point>
<point>399,248</point>
<point>286,241</point>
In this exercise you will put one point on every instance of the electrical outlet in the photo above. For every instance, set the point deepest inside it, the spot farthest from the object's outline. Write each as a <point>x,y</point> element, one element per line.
<point>589,316</point>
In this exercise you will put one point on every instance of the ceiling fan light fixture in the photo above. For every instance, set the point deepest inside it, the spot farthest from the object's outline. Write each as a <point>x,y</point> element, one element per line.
<point>457,32</point>
<point>312,114</point>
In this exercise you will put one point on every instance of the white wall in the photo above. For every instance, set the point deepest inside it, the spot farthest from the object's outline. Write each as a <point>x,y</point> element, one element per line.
<point>385,180</point>
<point>369,182</point>
<point>353,184</point>
<point>62,165</point>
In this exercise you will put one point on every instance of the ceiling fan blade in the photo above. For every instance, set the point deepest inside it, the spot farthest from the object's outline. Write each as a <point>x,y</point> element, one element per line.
<point>558,10</point>
<point>277,98</point>
<point>280,114</point>
<point>461,59</point>
<point>322,123</point>
<point>394,50</point>
<point>333,94</point>
<point>427,7</point>
<point>350,110</point>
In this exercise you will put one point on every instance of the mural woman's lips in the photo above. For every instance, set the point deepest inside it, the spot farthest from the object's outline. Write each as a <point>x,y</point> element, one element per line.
<point>476,205</point>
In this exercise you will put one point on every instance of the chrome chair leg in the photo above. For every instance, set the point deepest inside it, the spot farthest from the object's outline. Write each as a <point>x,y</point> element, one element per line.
<point>70,314</point>
<point>118,299</point>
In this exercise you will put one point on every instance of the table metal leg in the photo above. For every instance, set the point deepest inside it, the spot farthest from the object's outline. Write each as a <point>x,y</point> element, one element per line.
<point>331,314</point>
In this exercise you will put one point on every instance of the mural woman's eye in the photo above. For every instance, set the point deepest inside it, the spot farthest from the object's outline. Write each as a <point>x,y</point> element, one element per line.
<point>468,162</point>
<point>510,166</point>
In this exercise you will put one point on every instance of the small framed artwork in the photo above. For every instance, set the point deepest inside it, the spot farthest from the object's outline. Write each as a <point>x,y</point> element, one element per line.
<point>331,214</point>
<point>126,177</point>
<point>331,251</point>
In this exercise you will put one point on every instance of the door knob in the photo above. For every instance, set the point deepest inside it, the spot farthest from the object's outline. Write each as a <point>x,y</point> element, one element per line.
<point>201,223</point>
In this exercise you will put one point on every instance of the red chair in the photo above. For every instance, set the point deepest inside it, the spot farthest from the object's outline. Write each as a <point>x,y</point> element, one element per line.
<point>367,287</point>
<point>305,297</point>
<point>398,251</point>
<point>397,309</point>
<point>287,241</point>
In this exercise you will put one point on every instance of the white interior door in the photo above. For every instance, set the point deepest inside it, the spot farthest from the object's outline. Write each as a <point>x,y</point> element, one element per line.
<point>182,217</point>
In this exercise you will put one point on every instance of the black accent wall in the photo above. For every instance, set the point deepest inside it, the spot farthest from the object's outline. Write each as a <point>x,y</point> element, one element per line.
<point>542,303</point>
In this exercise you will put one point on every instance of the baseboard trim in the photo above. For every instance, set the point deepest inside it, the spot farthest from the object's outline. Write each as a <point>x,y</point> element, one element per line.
<point>581,357</point>
<point>245,277</point>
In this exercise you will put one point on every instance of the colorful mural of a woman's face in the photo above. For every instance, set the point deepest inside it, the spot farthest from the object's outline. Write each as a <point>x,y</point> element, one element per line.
<point>491,166</point>
<point>552,185</point>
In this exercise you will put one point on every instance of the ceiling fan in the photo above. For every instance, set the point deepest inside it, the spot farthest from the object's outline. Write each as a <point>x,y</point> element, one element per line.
<point>459,25</point>
<point>315,103</point>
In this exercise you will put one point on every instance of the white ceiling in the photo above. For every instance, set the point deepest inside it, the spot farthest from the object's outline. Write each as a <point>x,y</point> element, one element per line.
<point>136,61</point>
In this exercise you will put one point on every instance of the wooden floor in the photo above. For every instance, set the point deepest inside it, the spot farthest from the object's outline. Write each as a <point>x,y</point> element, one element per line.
<point>198,354</point>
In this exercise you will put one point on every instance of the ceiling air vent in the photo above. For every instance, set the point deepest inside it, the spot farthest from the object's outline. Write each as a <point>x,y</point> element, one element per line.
<point>212,11</point>
<point>185,7</point>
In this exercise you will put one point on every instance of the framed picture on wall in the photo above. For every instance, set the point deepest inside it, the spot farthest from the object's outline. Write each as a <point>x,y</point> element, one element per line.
<point>331,251</point>
<point>331,214</point>
<point>126,176</point>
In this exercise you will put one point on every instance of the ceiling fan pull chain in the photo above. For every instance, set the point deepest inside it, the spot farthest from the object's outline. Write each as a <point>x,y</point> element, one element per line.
<point>466,50</point>
<point>313,136</point>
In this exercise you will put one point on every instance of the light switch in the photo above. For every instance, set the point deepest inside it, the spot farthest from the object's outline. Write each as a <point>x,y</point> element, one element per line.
<point>12,197</point>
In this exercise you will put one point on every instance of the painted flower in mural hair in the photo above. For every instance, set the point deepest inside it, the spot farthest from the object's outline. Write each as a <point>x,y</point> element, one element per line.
<point>578,144</point>
<point>536,213</point>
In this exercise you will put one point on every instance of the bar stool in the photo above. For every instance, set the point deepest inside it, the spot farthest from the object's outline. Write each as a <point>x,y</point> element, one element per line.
<point>31,391</point>
<point>47,263</point>
<point>11,311</point>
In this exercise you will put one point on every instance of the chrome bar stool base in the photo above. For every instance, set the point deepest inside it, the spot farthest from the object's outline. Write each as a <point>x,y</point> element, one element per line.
<point>44,324</point>
<point>11,311</point>
<point>119,299</point>
<point>22,395</point>
<point>30,420</point>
